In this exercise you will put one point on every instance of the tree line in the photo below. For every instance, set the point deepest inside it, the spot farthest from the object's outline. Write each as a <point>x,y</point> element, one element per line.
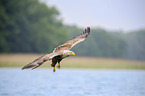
<point>116,44</point>
<point>29,26</point>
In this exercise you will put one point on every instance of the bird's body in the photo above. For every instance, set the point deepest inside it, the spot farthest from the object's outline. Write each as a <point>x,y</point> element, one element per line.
<point>59,53</point>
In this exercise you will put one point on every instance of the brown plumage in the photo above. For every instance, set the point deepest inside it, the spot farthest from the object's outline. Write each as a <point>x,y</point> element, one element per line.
<point>59,53</point>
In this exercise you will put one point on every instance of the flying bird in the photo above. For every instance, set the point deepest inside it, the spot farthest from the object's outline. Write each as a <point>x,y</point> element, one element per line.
<point>59,53</point>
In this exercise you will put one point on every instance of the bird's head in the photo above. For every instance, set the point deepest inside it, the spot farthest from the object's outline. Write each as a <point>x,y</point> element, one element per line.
<point>68,53</point>
<point>72,53</point>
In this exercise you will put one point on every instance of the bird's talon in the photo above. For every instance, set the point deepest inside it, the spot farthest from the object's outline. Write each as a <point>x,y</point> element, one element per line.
<point>53,69</point>
<point>58,66</point>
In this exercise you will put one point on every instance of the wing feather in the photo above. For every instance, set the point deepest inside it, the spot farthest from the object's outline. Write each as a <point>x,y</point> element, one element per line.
<point>39,61</point>
<point>69,44</point>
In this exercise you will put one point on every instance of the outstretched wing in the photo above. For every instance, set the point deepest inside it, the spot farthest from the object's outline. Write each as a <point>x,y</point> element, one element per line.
<point>69,44</point>
<point>39,61</point>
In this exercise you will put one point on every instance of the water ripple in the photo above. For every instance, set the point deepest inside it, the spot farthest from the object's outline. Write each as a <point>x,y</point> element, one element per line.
<point>71,82</point>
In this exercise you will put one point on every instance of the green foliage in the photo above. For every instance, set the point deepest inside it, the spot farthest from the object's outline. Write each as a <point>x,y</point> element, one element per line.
<point>100,43</point>
<point>136,45</point>
<point>29,26</point>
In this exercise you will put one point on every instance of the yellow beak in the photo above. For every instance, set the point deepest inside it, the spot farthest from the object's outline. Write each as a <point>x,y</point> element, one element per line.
<point>73,53</point>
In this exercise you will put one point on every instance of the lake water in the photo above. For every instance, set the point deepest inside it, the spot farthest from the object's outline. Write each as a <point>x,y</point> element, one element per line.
<point>71,82</point>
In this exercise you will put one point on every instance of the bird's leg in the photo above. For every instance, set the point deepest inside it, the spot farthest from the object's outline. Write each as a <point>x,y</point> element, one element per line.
<point>54,61</point>
<point>58,66</point>
<point>53,69</point>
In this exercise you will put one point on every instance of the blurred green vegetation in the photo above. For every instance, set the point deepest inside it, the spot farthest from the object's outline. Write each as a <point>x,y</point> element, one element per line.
<point>100,43</point>
<point>29,26</point>
<point>116,44</point>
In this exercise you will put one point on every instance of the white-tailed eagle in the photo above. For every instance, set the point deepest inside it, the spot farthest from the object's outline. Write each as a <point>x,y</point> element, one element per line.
<point>59,53</point>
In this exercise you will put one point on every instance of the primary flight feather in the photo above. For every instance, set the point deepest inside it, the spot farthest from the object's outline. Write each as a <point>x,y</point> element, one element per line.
<point>59,53</point>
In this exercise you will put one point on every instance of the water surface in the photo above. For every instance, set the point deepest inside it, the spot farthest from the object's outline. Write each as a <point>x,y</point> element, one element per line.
<point>71,82</point>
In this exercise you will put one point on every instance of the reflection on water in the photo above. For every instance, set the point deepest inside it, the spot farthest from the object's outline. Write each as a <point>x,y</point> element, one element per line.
<point>71,82</point>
